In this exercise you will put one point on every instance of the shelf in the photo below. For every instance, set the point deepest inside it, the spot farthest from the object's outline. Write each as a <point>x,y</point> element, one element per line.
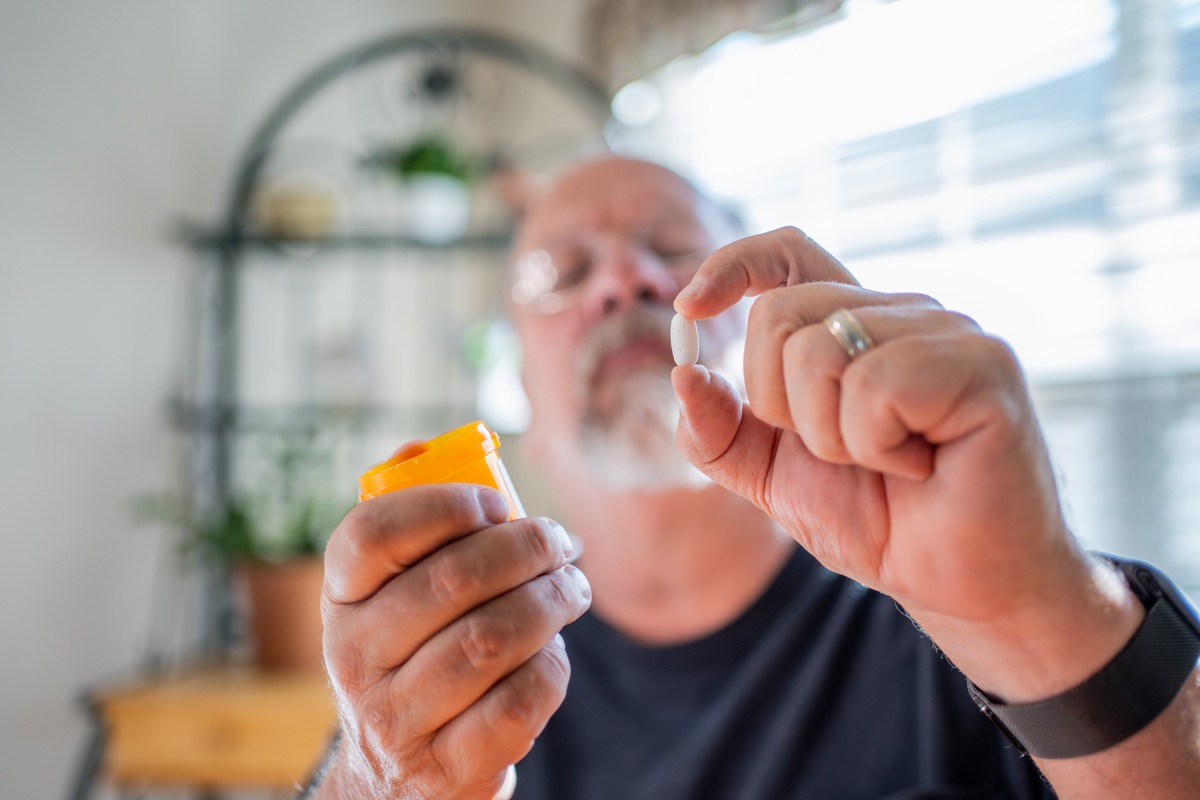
<point>211,417</point>
<point>214,239</point>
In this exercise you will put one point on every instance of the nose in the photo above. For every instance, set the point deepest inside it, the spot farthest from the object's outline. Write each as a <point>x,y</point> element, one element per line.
<point>626,275</point>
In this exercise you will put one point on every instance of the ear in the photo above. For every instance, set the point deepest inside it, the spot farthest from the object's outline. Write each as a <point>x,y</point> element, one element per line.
<point>517,187</point>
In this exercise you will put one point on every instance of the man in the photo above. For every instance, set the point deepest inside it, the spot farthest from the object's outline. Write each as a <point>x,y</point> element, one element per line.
<point>898,448</point>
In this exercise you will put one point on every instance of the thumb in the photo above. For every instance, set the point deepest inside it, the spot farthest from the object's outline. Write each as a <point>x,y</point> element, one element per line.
<point>719,434</point>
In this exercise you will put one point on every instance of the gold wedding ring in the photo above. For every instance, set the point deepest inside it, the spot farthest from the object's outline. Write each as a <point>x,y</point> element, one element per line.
<point>849,332</point>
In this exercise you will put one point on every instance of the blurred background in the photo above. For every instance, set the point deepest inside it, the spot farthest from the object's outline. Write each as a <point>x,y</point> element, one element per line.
<point>248,249</point>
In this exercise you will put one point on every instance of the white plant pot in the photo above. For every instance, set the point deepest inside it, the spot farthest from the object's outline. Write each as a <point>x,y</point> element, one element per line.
<point>435,209</point>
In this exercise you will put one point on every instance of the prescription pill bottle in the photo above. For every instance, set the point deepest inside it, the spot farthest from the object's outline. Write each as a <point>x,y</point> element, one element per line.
<point>464,455</point>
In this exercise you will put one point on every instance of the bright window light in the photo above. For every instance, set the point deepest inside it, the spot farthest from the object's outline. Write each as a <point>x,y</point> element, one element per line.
<point>1017,161</point>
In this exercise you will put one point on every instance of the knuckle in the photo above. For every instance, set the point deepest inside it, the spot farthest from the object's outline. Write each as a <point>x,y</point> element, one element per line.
<point>440,768</point>
<point>560,590</point>
<point>484,640</point>
<point>1006,363</point>
<point>555,665</point>
<point>963,320</point>
<point>769,310</point>
<point>801,346</point>
<point>759,315</point>
<point>519,705</point>
<point>861,381</point>
<point>451,772</point>
<point>822,436</point>
<point>336,599</point>
<point>450,579</point>
<point>525,702</point>
<point>999,351</point>
<point>354,534</point>
<point>791,233</point>
<point>331,609</point>
<point>541,540</point>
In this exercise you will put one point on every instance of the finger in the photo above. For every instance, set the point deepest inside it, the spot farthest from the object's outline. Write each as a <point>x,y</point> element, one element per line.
<point>384,536</point>
<point>719,435</point>
<point>408,450</point>
<point>500,729</point>
<point>756,264</point>
<point>774,318</point>
<point>901,402</point>
<point>813,363</point>
<point>389,627</point>
<point>462,662</point>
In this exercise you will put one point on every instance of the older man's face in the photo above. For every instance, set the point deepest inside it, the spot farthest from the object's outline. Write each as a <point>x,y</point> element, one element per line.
<point>598,263</point>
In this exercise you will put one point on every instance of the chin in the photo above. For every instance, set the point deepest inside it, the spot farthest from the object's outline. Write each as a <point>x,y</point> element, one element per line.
<point>621,472</point>
<point>631,447</point>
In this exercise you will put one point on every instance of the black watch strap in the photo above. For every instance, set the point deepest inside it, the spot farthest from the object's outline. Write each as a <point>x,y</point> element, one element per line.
<point>318,774</point>
<point>1124,696</point>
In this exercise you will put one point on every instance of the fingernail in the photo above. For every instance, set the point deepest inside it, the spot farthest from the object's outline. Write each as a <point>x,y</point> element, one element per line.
<point>692,289</point>
<point>564,539</point>
<point>581,581</point>
<point>493,505</point>
<point>560,641</point>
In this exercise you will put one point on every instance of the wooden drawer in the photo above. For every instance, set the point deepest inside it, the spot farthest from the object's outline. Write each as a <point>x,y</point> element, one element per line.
<point>221,727</point>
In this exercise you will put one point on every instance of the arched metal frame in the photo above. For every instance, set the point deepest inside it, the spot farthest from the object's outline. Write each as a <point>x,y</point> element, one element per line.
<point>219,421</point>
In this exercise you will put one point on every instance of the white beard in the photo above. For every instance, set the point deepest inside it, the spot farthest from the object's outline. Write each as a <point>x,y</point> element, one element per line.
<point>628,430</point>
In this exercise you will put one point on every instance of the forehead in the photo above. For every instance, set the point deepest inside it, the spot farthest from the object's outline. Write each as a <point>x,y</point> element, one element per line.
<point>611,195</point>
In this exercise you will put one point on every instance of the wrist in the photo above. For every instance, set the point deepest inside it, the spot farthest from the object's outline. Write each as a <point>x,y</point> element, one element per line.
<point>1049,642</point>
<point>1127,694</point>
<point>335,778</point>
<point>320,774</point>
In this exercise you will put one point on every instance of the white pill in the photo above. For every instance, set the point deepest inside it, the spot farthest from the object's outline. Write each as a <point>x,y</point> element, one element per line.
<point>685,340</point>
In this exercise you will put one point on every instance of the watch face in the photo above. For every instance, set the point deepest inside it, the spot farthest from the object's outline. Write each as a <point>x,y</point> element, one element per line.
<point>1149,583</point>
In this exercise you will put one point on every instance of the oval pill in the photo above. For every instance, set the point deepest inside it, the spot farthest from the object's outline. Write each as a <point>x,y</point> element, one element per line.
<point>685,340</point>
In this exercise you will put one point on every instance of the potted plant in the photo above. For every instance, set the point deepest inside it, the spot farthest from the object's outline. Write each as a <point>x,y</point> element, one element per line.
<point>433,180</point>
<point>270,539</point>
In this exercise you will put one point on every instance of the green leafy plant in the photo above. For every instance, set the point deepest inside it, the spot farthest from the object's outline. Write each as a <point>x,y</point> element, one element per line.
<point>431,154</point>
<point>289,513</point>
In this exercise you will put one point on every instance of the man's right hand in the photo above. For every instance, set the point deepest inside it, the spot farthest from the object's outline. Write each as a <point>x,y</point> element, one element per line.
<point>441,622</point>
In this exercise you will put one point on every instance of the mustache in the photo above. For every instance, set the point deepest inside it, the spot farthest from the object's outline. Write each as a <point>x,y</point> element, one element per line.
<point>639,323</point>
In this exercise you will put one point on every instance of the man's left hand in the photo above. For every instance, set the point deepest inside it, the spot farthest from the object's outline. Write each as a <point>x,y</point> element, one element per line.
<point>916,468</point>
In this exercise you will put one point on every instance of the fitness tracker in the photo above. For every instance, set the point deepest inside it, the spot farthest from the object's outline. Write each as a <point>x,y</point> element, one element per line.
<point>1124,696</point>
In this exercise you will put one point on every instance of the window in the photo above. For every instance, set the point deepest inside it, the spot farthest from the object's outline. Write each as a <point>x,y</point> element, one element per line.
<point>1034,165</point>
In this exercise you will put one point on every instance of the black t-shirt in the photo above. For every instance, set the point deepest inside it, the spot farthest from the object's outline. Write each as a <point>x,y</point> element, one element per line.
<point>821,689</point>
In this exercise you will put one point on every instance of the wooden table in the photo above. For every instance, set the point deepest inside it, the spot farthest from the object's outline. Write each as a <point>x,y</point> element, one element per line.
<point>210,729</point>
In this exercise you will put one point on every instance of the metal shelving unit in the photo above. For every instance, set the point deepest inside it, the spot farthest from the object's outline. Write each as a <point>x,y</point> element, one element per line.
<point>358,331</point>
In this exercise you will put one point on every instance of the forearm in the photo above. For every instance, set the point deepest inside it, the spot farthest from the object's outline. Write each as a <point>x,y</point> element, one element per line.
<point>1161,761</point>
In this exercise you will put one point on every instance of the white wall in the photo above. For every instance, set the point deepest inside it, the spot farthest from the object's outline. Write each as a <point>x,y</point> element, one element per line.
<point>115,119</point>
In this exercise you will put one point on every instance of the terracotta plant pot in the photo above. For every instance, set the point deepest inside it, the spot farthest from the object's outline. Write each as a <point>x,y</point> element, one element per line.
<point>284,610</point>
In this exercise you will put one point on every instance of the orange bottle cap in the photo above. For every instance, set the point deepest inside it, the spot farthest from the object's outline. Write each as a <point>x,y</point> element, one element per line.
<point>451,457</point>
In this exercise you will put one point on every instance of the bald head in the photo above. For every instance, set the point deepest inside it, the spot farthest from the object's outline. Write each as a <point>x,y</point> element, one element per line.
<point>587,188</point>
